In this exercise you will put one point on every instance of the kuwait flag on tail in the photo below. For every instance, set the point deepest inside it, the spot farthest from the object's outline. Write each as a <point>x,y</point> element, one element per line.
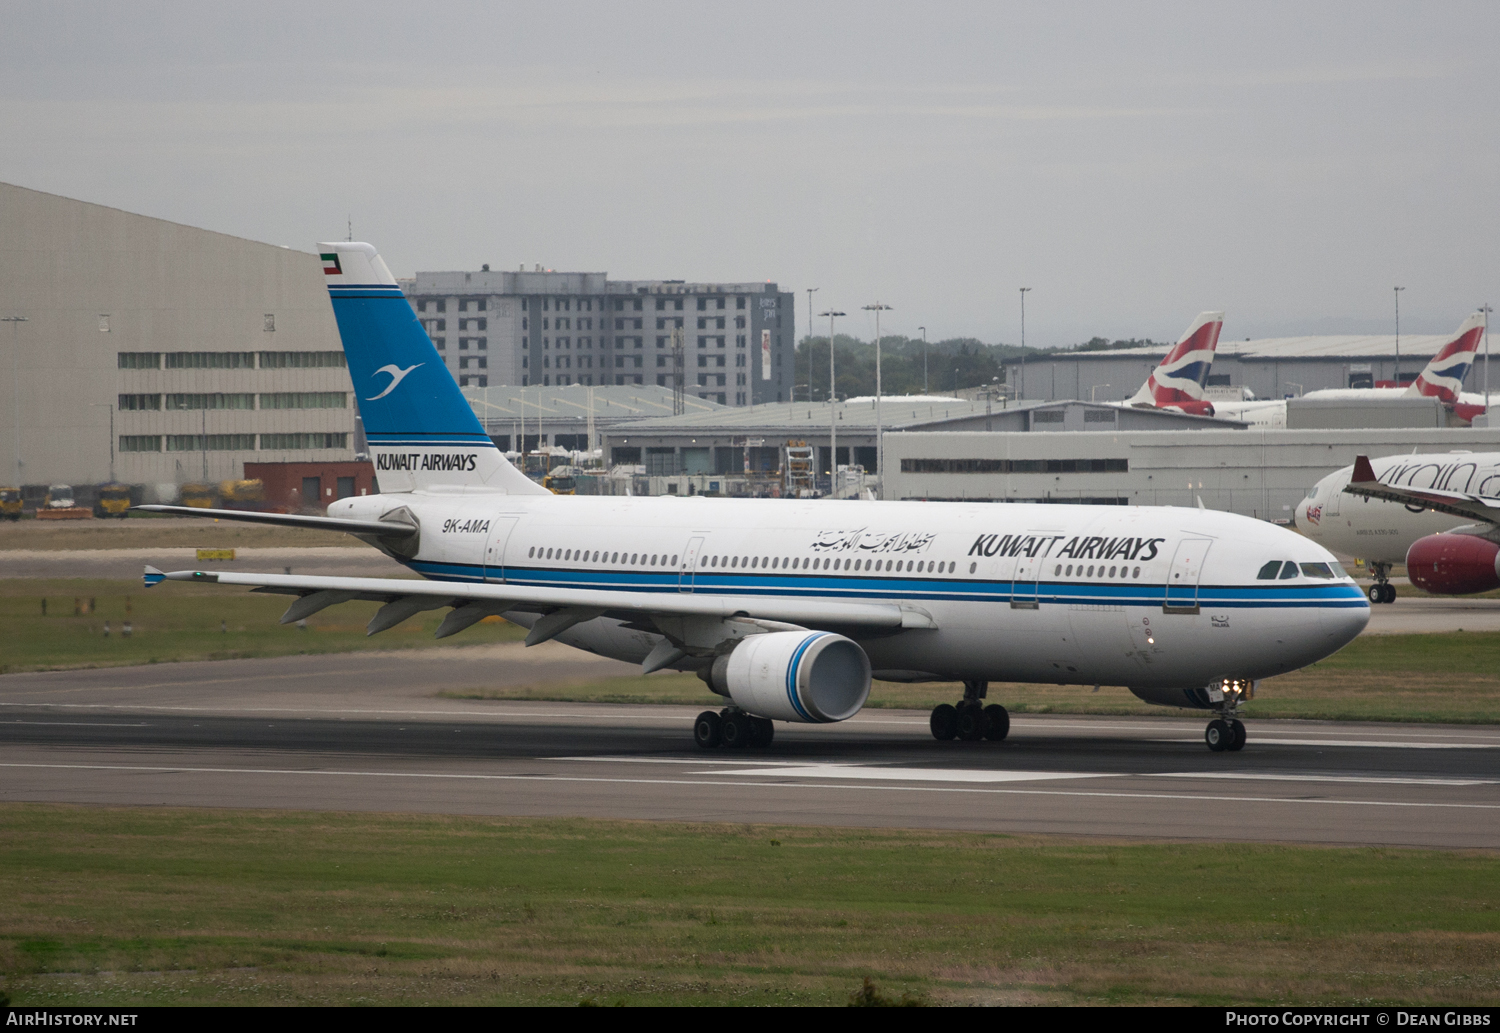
<point>331,265</point>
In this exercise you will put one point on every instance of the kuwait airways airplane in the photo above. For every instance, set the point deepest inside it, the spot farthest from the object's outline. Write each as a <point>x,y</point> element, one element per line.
<point>1403,509</point>
<point>788,608</point>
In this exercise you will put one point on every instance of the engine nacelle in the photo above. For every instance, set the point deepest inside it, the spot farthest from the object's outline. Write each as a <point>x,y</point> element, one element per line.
<point>1191,407</point>
<point>1453,564</point>
<point>808,676</point>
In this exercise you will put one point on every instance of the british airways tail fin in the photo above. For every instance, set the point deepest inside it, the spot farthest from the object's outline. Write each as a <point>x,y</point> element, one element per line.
<point>1443,378</point>
<point>423,436</point>
<point>1177,383</point>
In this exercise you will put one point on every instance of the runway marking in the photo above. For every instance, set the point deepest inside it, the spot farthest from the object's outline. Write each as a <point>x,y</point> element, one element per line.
<point>1356,779</point>
<point>1379,743</point>
<point>82,724</point>
<point>717,783</point>
<point>915,774</point>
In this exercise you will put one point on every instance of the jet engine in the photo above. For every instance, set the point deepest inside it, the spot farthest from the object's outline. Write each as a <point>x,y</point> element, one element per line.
<point>806,676</point>
<point>1453,564</point>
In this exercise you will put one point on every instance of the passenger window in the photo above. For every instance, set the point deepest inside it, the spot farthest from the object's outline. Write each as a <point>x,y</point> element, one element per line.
<point>1288,570</point>
<point>1318,570</point>
<point>1269,571</point>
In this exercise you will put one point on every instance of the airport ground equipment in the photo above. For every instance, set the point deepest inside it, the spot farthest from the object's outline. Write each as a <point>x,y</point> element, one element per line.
<point>113,501</point>
<point>10,503</point>
<point>60,505</point>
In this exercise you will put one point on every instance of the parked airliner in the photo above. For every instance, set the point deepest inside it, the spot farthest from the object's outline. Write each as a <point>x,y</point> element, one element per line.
<point>1442,378</point>
<point>1177,382</point>
<point>1437,513</point>
<point>788,608</point>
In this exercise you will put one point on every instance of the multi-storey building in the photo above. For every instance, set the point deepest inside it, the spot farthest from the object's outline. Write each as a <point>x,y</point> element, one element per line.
<point>554,329</point>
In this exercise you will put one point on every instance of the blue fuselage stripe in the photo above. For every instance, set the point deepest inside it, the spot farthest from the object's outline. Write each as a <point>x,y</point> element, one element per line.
<point>1340,596</point>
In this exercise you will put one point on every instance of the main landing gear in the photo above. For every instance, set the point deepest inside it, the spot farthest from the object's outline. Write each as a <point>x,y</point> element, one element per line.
<point>970,720</point>
<point>1222,734</point>
<point>732,728</point>
<point>1382,591</point>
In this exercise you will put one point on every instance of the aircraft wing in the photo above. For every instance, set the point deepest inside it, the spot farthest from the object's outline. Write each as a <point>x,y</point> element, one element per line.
<point>1471,507</point>
<point>562,607</point>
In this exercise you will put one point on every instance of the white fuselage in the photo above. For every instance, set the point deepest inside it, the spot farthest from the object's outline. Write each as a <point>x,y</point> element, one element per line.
<point>1031,593</point>
<point>1378,531</point>
<point>1271,413</point>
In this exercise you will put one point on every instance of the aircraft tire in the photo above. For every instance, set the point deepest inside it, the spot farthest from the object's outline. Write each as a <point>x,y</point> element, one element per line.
<point>996,722</point>
<point>1218,735</point>
<point>737,730</point>
<point>971,722</point>
<point>944,722</point>
<point>1237,741</point>
<point>1376,593</point>
<point>765,731</point>
<point>707,731</point>
<point>1390,593</point>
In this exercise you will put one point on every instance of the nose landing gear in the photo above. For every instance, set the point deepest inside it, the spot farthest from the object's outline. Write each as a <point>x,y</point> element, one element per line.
<point>970,720</point>
<point>1222,734</point>
<point>1382,591</point>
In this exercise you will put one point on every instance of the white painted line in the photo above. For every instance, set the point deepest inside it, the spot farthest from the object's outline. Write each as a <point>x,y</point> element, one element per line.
<point>82,724</point>
<point>1385,744</point>
<point>1355,779</point>
<point>912,774</point>
<point>1177,798</point>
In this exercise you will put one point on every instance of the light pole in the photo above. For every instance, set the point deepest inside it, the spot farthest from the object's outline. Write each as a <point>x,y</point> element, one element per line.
<point>1398,334</point>
<point>833,416</point>
<point>15,381</point>
<point>878,308</point>
<point>1485,308</point>
<point>110,406</point>
<point>924,360</point>
<point>810,292</point>
<point>1023,341</point>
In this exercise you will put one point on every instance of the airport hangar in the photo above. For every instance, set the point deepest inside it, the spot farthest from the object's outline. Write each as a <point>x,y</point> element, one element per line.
<point>1272,367</point>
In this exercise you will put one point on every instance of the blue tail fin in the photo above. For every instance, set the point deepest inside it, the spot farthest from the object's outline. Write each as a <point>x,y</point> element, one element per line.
<point>423,435</point>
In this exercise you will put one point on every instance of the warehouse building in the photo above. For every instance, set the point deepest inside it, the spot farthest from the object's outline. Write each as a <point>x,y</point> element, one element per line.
<point>1275,367</point>
<point>144,351</point>
<point>1258,473</point>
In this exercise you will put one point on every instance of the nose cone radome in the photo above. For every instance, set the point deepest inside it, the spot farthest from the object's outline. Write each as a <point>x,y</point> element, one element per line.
<point>1342,624</point>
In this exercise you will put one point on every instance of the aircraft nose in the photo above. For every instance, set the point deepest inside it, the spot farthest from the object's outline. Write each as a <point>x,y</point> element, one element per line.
<point>1342,624</point>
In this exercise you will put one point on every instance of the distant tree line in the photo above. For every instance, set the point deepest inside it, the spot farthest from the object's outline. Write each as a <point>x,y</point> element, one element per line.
<point>951,365</point>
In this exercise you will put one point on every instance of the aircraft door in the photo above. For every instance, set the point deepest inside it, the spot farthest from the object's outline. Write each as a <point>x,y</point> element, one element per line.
<point>494,549</point>
<point>1028,569</point>
<point>1184,574</point>
<point>1335,496</point>
<point>689,569</point>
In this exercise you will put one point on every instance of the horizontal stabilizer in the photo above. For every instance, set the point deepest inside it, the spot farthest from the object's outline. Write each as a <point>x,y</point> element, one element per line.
<point>1364,483</point>
<point>377,528</point>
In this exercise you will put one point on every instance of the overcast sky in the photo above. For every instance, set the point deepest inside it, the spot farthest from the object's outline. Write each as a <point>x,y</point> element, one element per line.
<point>1132,163</point>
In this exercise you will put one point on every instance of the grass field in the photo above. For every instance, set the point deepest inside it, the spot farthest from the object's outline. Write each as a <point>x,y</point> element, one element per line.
<point>144,531</point>
<point>189,622</point>
<point>167,906</point>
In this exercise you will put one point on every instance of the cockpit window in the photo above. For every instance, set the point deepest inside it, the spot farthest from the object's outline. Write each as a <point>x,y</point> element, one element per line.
<point>1312,492</point>
<point>1318,570</point>
<point>1288,570</point>
<point>1269,571</point>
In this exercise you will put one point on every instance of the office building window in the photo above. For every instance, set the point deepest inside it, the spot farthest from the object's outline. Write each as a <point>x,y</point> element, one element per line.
<point>139,360</point>
<point>140,443</point>
<point>440,343</point>
<point>739,302</point>
<point>211,442</point>
<point>178,402</point>
<point>139,403</point>
<point>210,360</point>
<point>305,400</point>
<point>303,360</point>
<point>719,305</point>
<point>702,304</point>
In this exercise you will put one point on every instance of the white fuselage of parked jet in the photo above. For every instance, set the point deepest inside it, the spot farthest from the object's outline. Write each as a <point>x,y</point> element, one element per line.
<point>1032,593</point>
<point>1378,531</point>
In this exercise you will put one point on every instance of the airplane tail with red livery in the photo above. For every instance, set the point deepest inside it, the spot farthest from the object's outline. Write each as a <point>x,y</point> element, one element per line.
<point>1177,383</point>
<point>1443,377</point>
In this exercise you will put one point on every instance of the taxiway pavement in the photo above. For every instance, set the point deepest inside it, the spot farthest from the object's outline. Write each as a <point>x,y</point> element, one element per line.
<point>368,732</point>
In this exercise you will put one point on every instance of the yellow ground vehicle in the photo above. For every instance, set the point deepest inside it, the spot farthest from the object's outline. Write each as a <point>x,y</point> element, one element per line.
<point>59,505</point>
<point>113,501</point>
<point>10,503</point>
<point>200,496</point>
<point>561,481</point>
<point>242,494</point>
